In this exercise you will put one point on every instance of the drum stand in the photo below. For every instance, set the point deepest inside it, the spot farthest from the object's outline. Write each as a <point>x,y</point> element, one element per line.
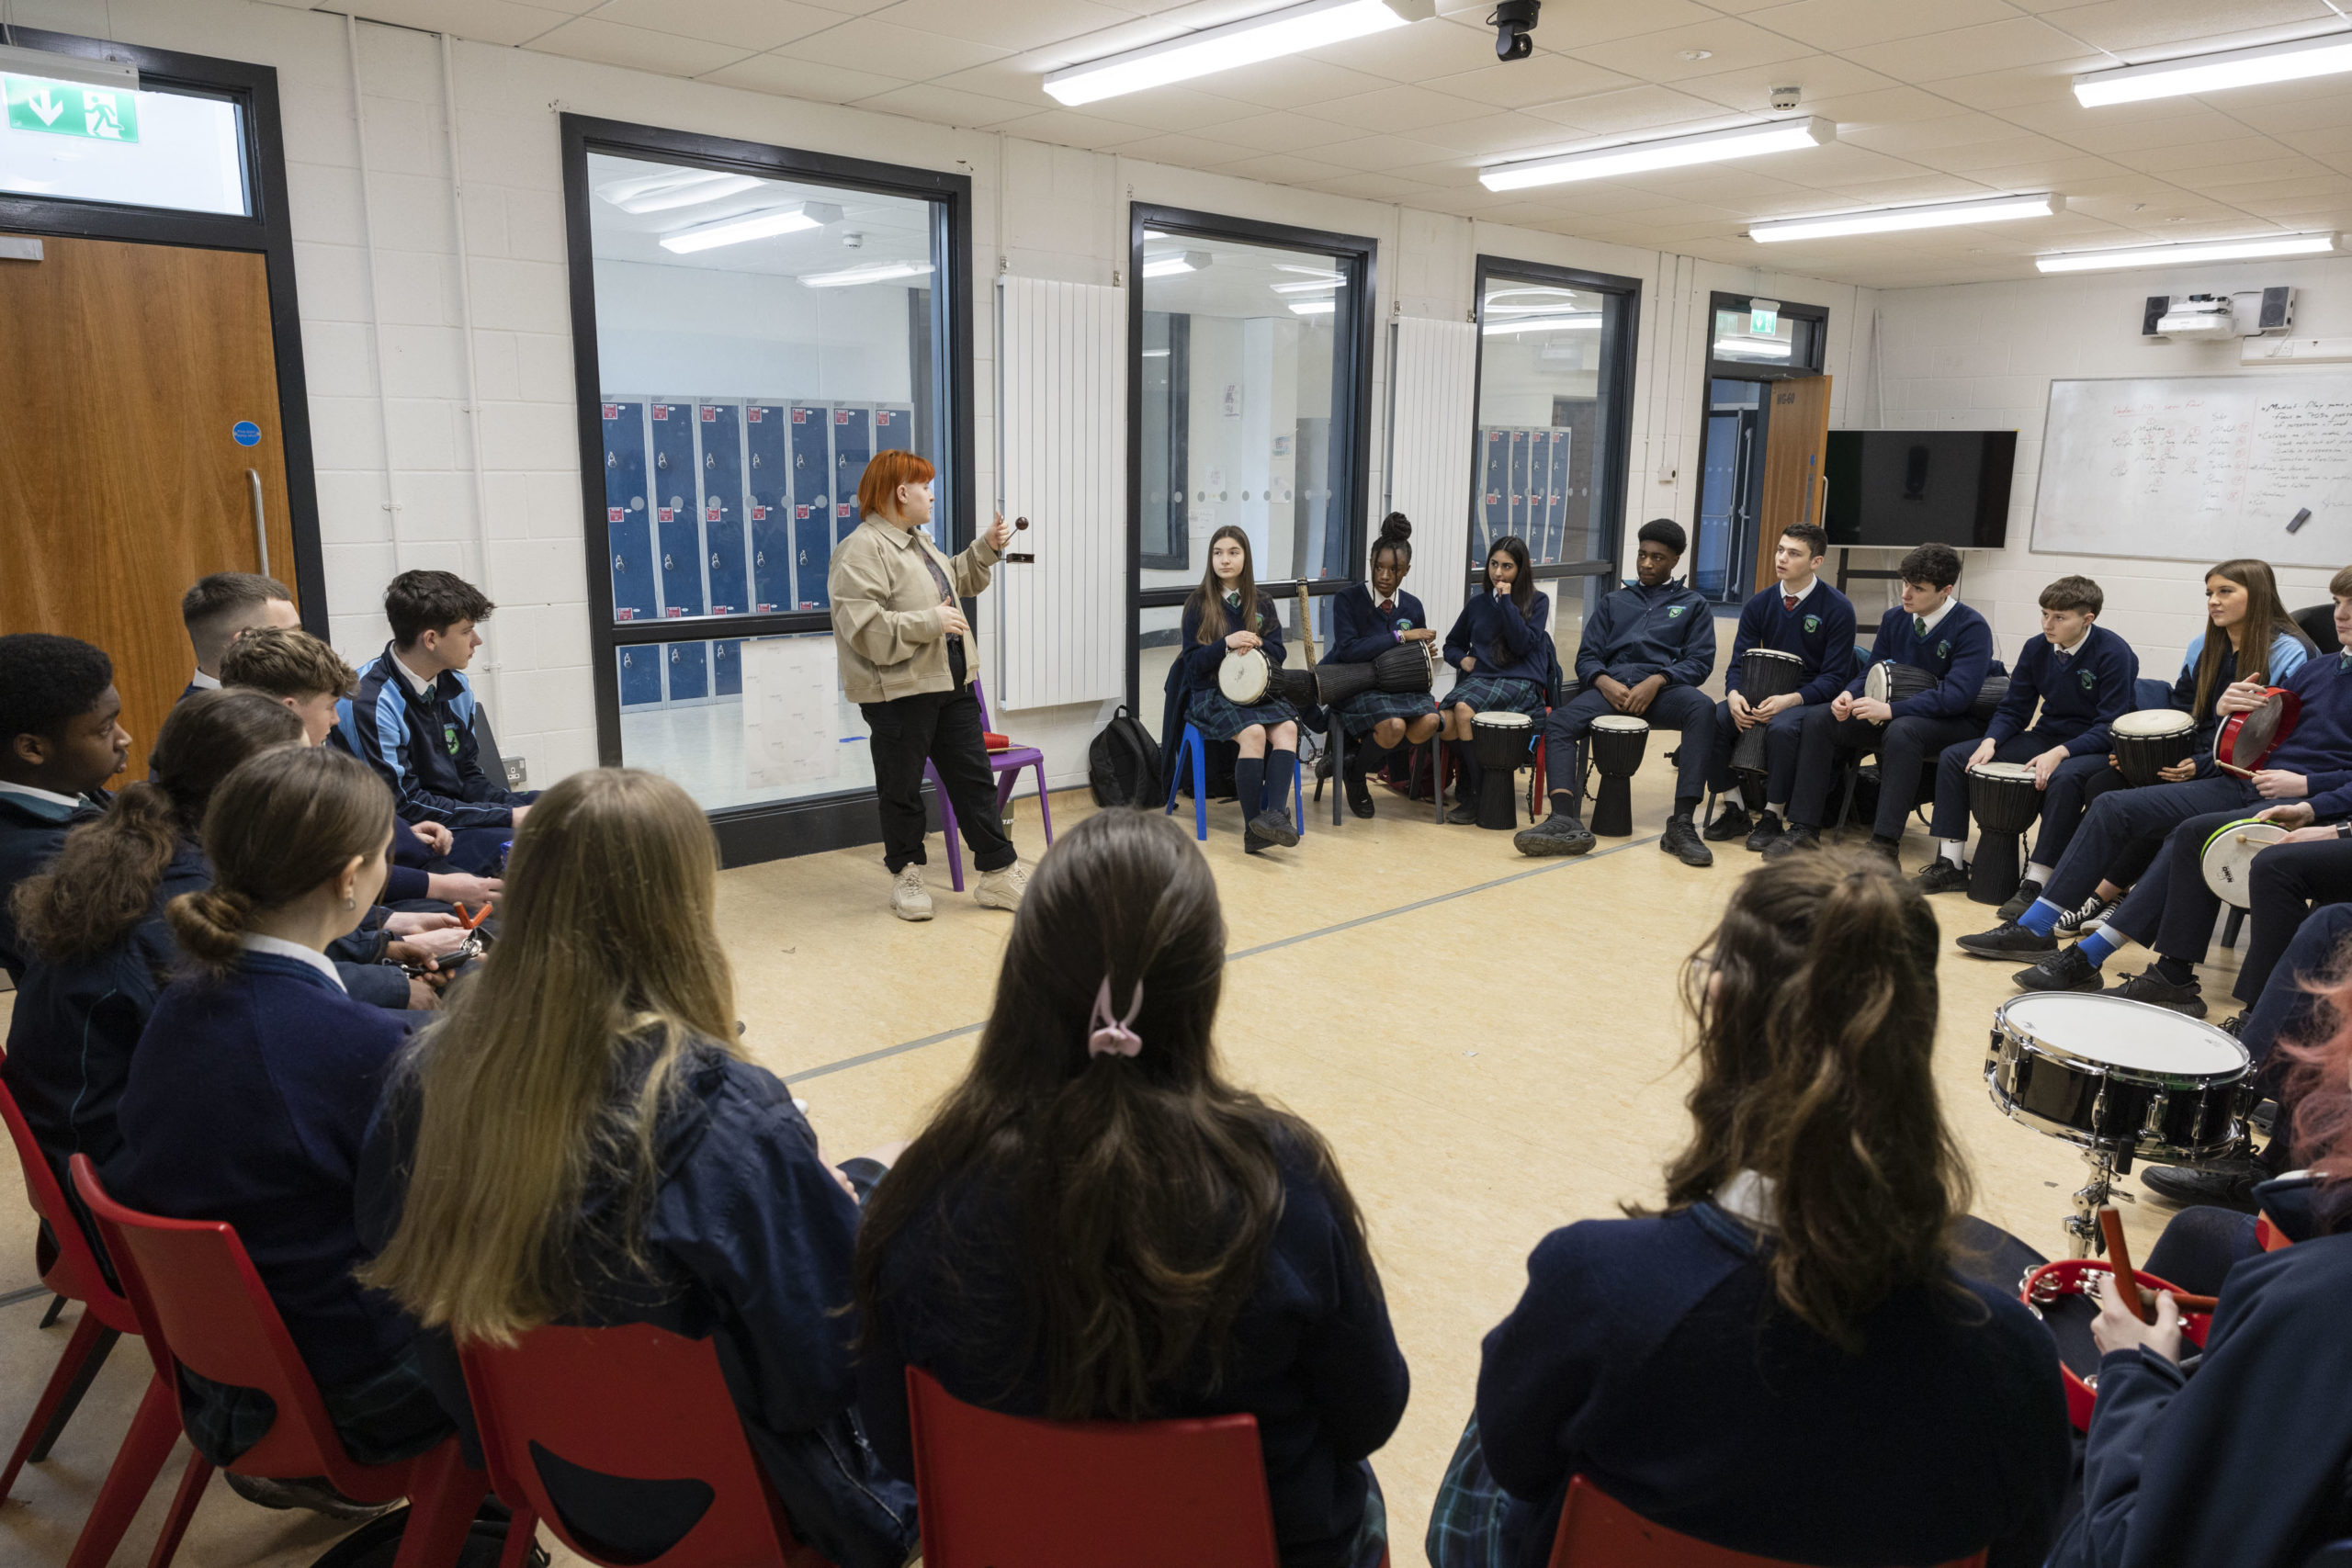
<point>2082,1225</point>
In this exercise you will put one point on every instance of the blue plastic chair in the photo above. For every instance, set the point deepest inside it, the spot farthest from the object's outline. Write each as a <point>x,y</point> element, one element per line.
<point>1194,745</point>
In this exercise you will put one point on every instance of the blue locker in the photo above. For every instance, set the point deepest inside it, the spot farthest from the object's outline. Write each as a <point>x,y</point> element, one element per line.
<point>674,487</point>
<point>1539,481</point>
<point>770,504</point>
<point>1494,496</point>
<point>894,428</point>
<point>853,449</point>
<point>1515,520</point>
<point>641,677</point>
<point>689,671</point>
<point>1557,530</point>
<point>812,503</point>
<point>727,667</point>
<point>627,533</point>
<point>722,428</point>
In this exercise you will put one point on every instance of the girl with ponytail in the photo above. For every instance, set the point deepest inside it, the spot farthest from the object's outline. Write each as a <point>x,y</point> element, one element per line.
<point>1781,1361</point>
<point>580,1138</point>
<point>1095,1223</point>
<point>1366,622</point>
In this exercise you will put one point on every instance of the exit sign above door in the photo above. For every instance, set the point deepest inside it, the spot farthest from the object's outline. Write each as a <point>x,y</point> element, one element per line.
<point>69,108</point>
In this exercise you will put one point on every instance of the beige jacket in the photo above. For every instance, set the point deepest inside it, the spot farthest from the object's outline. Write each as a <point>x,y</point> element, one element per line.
<point>886,610</point>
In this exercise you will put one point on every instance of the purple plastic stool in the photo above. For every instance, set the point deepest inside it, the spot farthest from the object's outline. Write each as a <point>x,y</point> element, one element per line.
<point>1008,766</point>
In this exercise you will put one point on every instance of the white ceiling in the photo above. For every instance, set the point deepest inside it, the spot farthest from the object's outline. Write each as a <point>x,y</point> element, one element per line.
<point>1934,100</point>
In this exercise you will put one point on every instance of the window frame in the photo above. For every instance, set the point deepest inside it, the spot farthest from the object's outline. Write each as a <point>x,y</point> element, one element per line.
<point>803,824</point>
<point>1358,257</point>
<point>1615,389</point>
<point>1762,370</point>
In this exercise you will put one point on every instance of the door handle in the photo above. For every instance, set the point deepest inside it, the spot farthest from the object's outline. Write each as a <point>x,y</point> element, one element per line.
<point>261,526</point>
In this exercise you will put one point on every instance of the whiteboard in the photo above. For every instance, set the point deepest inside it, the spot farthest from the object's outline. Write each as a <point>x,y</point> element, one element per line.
<point>2199,469</point>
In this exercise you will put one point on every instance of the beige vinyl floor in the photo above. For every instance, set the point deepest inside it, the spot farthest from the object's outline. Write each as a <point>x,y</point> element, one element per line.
<point>1493,1044</point>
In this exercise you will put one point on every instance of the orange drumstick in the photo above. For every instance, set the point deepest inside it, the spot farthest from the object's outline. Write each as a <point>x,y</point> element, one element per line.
<point>2119,1255</point>
<point>470,921</point>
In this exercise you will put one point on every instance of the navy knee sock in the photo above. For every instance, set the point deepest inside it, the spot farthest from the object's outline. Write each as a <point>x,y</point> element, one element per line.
<point>1249,785</point>
<point>1281,769</point>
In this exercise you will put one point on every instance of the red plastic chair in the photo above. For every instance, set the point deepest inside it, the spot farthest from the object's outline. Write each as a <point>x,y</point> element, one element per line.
<point>70,1270</point>
<point>200,1305</point>
<point>1598,1531</point>
<point>637,1402</point>
<point>1144,1495</point>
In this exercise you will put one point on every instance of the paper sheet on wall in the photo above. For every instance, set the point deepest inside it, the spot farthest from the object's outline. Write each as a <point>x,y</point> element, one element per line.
<point>791,707</point>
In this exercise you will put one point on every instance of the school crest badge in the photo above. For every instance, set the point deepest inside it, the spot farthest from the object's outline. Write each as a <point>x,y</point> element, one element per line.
<point>2089,681</point>
<point>1674,612</point>
<point>449,738</point>
<point>1943,651</point>
<point>1812,624</point>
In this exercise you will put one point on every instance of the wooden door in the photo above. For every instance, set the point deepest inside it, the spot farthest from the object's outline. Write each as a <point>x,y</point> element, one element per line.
<point>1796,434</point>
<point>121,477</point>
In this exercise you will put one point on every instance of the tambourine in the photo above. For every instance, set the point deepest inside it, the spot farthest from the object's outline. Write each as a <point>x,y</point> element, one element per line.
<point>2246,740</point>
<point>2227,858</point>
<point>471,948</point>
<point>1242,676</point>
<point>2059,1294</point>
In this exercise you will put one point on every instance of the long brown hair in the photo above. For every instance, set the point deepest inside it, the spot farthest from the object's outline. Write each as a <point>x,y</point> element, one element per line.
<point>1815,1000</point>
<point>609,959</point>
<point>102,881</point>
<point>2265,619</point>
<point>280,824</point>
<point>1209,597</point>
<point>2319,1086</point>
<point>1147,1188</point>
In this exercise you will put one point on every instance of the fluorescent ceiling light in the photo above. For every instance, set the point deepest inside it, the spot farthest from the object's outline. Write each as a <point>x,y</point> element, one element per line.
<point>1888,219</point>
<point>2322,56</point>
<point>682,187</point>
<point>1177,263</point>
<point>874,272</point>
<point>1246,43</point>
<point>1309,286</point>
<point>69,68</point>
<point>1325,273</point>
<point>1670,152</point>
<point>1313,307</point>
<point>1733,347</point>
<point>1155,354</point>
<point>2167,255</point>
<point>1586,323</point>
<point>752,226</point>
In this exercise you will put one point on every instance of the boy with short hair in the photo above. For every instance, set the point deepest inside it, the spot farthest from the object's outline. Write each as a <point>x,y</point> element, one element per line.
<point>413,716</point>
<point>61,739</point>
<point>224,606</point>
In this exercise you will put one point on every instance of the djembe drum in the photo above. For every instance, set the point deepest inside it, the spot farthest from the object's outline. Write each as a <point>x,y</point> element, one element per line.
<point>2003,800</point>
<point>1764,672</point>
<point>1500,741</point>
<point>2148,740</point>
<point>1619,741</point>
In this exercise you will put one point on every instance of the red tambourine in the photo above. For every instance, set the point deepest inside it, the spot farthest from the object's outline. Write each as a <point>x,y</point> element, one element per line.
<point>2060,1294</point>
<point>2246,740</point>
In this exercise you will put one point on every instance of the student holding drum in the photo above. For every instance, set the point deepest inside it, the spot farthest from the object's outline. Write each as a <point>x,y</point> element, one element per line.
<point>2082,675</point>
<point>1800,618</point>
<point>1945,648</point>
<point>1365,623</point>
<point>1503,654</point>
<point>1645,653</point>
<point>1226,620</point>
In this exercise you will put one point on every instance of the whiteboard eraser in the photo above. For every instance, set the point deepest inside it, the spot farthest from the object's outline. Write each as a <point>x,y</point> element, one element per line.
<point>2298,519</point>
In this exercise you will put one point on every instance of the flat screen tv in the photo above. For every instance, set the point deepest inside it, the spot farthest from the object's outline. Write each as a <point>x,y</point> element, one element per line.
<point>1906,486</point>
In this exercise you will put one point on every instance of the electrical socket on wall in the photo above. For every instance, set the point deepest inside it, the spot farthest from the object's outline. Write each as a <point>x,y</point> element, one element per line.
<point>518,773</point>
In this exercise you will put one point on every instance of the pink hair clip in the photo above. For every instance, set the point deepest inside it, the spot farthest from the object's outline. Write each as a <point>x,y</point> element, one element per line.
<point>1111,1036</point>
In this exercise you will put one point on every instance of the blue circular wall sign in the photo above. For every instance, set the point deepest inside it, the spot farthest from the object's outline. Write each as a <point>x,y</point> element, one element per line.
<point>247,432</point>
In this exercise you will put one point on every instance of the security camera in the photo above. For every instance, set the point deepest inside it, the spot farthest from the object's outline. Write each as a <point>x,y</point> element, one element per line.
<point>1514,23</point>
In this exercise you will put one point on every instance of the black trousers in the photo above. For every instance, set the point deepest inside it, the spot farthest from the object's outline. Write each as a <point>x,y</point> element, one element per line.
<point>1903,750</point>
<point>2286,880</point>
<point>942,728</point>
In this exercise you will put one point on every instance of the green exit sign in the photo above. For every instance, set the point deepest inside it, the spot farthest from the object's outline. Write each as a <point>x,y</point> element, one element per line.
<point>1764,318</point>
<point>69,108</point>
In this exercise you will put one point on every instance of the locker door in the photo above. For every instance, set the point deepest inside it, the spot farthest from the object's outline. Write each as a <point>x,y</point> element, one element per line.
<point>893,429</point>
<point>1515,520</point>
<point>721,429</point>
<point>1494,510</point>
<point>770,499</point>
<point>641,677</point>
<point>727,668</point>
<point>1557,530</point>
<point>628,525</point>
<point>689,671</point>
<point>1539,482</point>
<point>812,503</point>
<point>853,449</point>
<point>675,526</point>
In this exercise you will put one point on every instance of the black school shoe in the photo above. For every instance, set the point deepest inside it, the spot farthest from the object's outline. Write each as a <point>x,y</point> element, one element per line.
<point>1732,823</point>
<point>1797,837</point>
<point>1766,828</point>
<point>2228,1184</point>
<point>1272,826</point>
<point>1940,875</point>
<point>2065,970</point>
<point>1359,793</point>
<point>2154,988</point>
<point>2008,940</point>
<point>1559,834</point>
<point>2019,901</point>
<point>1680,840</point>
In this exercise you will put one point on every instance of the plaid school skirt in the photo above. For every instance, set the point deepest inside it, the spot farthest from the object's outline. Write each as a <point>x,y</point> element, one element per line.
<point>1465,1520</point>
<point>1497,693</point>
<point>1363,710</point>
<point>1219,717</point>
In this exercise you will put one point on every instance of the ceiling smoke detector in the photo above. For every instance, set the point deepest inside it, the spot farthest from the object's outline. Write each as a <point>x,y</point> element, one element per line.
<point>1786,97</point>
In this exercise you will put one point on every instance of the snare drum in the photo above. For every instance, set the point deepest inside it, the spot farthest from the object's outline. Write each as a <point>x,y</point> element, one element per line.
<point>2228,857</point>
<point>2149,739</point>
<point>2060,1294</point>
<point>1242,676</point>
<point>2246,740</point>
<point>1500,741</point>
<point>2103,1073</point>
<point>1763,673</point>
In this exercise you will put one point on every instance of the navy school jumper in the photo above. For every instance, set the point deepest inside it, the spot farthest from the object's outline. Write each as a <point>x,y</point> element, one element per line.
<point>1360,632</point>
<point>1196,664</point>
<point>1958,651</point>
<point>1820,632</point>
<point>2080,696</point>
<point>1508,645</point>
<point>31,832</point>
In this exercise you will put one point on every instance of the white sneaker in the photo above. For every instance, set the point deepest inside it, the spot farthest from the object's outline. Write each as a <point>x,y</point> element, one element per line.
<point>910,900</point>
<point>1001,889</point>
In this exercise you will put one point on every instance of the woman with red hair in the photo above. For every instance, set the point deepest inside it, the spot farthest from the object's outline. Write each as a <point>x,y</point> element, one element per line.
<point>899,627</point>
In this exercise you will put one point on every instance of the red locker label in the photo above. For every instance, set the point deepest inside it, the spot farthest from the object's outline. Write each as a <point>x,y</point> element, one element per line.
<point>711,513</point>
<point>614,514</point>
<point>665,514</point>
<point>882,417</point>
<point>624,615</point>
<point>675,612</point>
<point>1492,498</point>
<point>765,609</point>
<point>800,514</point>
<point>799,416</point>
<point>661,411</point>
<point>841,511</point>
<point>758,415</point>
<point>612,410</point>
<point>841,416</point>
<point>759,514</point>
<point>709,413</point>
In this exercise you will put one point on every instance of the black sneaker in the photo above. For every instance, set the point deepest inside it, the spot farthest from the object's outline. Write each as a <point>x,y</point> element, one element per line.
<point>1465,813</point>
<point>2228,1184</point>
<point>2091,916</point>
<point>1797,837</point>
<point>2008,940</point>
<point>1731,823</point>
<point>2019,901</point>
<point>1766,828</point>
<point>1358,790</point>
<point>1682,840</point>
<point>1940,875</point>
<point>1891,850</point>
<point>310,1493</point>
<point>1274,826</point>
<point>2065,970</point>
<point>2154,988</point>
<point>1559,834</point>
<point>2235,1025</point>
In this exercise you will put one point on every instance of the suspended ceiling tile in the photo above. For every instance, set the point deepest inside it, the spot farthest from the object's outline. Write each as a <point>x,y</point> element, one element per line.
<point>1546,78</point>
<point>1498,136</point>
<point>1395,110</point>
<point>1727,185</point>
<point>2312,114</point>
<point>1436,47</point>
<point>862,42</point>
<point>1630,110</point>
<point>1595,198</point>
<point>1185,151</point>
<point>1295,83</point>
<point>1378,155</point>
<point>2064,175</point>
<point>1073,128</point>
<point>2011,151</point>
<point>1999,91</point>
<point>2158,28</point>
<point>1835,166</point>
<point>1910,138</point>
<point>2300,193</point>
<point>2173,160</point>
<point>2332,144</point>
<point>1967,51</point>
<point>638,49</point>
<point>2189,122</point>
<point>1817,77</point>
<point>1703,49</point>
<point>788,75</point>
<point>1017,83</point>
<point>1284,168</point>
<point>946,105</point>
<point>1592,22</point>
<point>1280,132</point>
<point>1005,24</point>
<point>2218,180</point>
<point>1445,175</point>
<point>1847,25</point>
<point>745,24</point>
<point>1379,187</point>
<point>1889,105</point>
<point>483,22</point>
<point>1926,186</point>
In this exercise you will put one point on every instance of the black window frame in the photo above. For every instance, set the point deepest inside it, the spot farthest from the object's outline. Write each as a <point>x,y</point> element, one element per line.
<point>1358,257</point>
<point>805,825</point>
<point>1620,340</point>
<point>1761,370</point>
<point>267,230</point>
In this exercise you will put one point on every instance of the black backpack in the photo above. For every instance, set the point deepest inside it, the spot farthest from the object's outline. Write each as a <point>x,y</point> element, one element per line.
<point>1123,763</point>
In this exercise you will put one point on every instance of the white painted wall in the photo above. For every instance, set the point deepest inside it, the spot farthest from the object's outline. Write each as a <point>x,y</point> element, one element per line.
<point>1046,211</point>
<point>1980,356</point>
